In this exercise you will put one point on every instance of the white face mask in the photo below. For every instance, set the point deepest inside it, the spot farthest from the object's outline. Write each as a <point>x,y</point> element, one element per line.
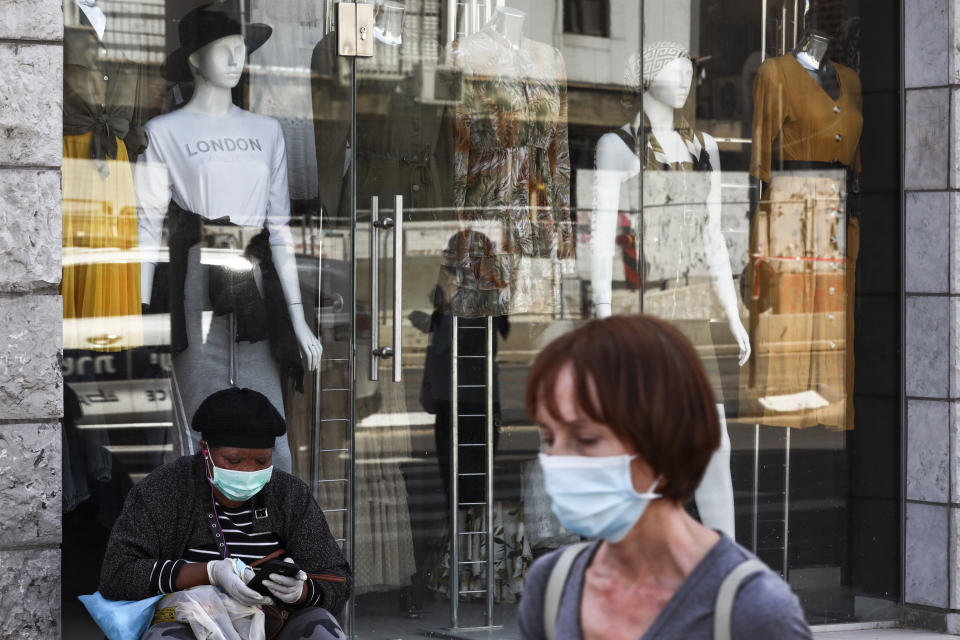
<point>594,496</point>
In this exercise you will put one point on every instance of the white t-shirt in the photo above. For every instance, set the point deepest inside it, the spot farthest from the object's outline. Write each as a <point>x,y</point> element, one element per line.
<point>232,166</point>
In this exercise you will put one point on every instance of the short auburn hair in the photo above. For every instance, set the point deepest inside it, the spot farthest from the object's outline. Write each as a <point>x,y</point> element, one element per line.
<point>641,377</point>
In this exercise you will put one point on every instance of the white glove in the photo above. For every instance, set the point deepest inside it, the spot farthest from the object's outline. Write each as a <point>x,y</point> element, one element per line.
<point>287,589</point>
<point>232,575</point>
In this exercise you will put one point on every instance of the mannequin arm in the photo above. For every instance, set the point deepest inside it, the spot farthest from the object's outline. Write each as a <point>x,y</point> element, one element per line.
<point>151,183</point>
<point>718,258</point>
<point>286,265</point>
<point>147,270</point>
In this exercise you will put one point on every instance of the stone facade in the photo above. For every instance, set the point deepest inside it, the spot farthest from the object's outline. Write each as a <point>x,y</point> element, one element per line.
<point>932,288</point>
<point>31,388</point>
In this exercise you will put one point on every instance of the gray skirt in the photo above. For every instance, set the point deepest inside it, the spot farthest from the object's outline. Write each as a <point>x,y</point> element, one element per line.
<point>214,360</point>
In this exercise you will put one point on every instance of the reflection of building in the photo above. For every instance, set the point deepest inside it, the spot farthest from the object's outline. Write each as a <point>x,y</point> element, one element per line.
<point>905,406</point>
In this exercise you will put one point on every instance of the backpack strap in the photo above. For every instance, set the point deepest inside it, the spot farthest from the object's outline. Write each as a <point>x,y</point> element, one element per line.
<point>555,584</point>
<point>723,608</point>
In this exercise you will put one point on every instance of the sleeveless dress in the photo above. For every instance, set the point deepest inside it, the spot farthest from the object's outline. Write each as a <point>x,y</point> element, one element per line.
<point>664,254</point>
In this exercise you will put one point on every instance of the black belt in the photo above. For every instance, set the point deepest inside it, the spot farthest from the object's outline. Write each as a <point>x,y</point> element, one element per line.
<point>799,165</point>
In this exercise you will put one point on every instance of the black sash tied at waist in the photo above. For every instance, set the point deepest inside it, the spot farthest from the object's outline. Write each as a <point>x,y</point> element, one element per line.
<point>235,291</point>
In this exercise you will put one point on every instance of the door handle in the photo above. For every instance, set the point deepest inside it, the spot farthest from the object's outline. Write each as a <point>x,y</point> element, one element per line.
<point>374,288</point>
<point>397,288</point>
<point>376,225</point>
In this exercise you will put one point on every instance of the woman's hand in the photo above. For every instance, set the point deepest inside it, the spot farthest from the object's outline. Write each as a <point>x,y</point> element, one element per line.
<point>287,589</point>
<point>230,575</point>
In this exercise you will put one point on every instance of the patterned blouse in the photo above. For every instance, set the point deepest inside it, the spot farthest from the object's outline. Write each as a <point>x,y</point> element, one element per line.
<point>511,167</point>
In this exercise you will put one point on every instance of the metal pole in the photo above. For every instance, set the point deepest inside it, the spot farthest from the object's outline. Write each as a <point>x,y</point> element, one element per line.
<point>490,426</point>
<point>317,409</point>
<point>756,482</point>
<point>786,510</point>
<point>352,353</point>
<point>454,472</point>
<point>763,31</point>
<point>642,153</point>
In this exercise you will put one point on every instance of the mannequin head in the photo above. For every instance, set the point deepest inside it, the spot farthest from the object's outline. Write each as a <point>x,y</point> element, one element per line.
<point>219,63</point>
<point>671,85</point>
<point>663,73</point>
<point>202,51</point>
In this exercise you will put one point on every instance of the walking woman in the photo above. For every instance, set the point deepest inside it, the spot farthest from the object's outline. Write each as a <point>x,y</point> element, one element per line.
<point>628,424</point>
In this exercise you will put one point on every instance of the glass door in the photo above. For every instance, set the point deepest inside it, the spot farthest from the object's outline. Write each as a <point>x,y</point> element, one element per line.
<point>465,267</point>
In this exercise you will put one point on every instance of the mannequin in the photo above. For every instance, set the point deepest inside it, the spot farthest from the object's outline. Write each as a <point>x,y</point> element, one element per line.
<point>214,163</point>
<point>666,81</point>
<point>800,278</point>
<point>512,167</point>
<point>101,134</point>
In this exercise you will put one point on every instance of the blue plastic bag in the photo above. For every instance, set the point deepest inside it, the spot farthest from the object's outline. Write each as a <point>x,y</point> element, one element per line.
<point>120,619</point>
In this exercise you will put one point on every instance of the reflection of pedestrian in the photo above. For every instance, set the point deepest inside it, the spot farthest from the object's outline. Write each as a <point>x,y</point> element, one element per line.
<point>462,265</point>
<point>628,424</point>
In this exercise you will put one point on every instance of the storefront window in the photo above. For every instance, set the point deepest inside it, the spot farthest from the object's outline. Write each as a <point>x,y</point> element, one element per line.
<point>381,244</point>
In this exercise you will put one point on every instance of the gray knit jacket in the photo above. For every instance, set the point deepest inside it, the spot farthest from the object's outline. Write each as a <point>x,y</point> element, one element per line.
<point>171,511</point>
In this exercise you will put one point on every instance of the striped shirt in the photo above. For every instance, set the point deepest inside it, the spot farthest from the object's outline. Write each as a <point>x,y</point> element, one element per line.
<point>242,542</point>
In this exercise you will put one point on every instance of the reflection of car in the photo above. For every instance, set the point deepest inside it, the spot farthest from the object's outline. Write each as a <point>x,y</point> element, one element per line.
<point>119,366</point>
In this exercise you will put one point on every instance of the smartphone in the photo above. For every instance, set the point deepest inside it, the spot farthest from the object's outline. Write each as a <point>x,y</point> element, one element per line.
<point>263,572</point>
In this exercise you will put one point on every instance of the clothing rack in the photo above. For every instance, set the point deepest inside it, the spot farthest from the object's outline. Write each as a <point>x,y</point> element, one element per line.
<point>455,445</point>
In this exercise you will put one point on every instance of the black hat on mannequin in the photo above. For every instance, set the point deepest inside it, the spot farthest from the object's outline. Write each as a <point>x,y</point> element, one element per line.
<point>207,23</point>
<point>238,418</point>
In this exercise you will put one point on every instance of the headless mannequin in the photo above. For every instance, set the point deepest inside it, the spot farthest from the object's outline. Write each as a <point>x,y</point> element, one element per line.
<point>95,15</point>
<point>216,69</point>
<point>616,163</point>
<point>509,24</point>
<point>811,52</point>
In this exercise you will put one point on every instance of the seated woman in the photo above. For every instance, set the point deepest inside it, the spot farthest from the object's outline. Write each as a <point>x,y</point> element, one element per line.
<point>201,519</point>
<point>628,424</point>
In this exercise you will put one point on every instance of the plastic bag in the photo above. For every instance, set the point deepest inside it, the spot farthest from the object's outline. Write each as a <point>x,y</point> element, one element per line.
<point>213,615</point>
<point>120,619</point>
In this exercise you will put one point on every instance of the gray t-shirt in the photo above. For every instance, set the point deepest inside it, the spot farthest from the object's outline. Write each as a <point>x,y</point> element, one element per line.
<point>765,607</point>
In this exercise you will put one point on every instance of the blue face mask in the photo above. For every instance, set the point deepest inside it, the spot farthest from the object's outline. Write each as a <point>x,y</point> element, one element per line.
<point>594,496</point>
<point>239,486</point>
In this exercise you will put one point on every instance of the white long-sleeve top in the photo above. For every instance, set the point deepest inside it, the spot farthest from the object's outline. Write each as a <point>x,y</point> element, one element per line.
<point>232,166</point>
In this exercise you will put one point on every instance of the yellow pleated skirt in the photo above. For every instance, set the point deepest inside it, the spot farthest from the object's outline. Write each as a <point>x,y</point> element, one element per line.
<point>101,272</point>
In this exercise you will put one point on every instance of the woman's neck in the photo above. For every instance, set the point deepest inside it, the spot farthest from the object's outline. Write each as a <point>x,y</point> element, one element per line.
<point>222,499</point>
<point>665,545</point>
<point>210,100</point>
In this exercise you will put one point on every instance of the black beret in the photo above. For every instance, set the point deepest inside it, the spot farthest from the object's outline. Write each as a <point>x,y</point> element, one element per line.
<point>238,418</point>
